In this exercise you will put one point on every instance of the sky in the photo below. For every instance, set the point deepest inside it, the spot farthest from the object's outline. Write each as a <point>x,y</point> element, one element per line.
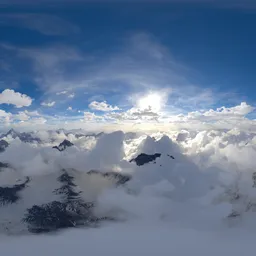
<point>137,64</point>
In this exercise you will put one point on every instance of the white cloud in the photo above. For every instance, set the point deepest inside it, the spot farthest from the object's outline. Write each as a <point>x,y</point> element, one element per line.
<point>134,114</point>
<point>89,116</point>
<point>102,106</point>
<point>144,119</point>
<point>32,113</point>
<point>38,120</point>
<point>15,98</point>
<point>62,92</point>
<point>72,95</point>
<point>22,116</point>
<point>4,113</point>
<point>5,117</point>
<point>240,110</point>
<point>48,104</point>
<point>222,113</point>
<point>221,118</point>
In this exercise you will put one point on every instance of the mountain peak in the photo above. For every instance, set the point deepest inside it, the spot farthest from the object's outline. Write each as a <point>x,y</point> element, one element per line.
<point>11,132</point>
<point>63,145</point>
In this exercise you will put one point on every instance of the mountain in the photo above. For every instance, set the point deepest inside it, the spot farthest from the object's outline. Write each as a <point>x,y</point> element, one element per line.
<point>71,211</point>
<point>63,205</point>
<point>63,145</point>
<point>26,137</point>
<point>3,145</point>
<point>11,133</point>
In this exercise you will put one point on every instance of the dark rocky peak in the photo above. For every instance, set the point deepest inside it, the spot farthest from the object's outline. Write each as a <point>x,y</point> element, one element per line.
<point>63,145</point>
<point>144,158</point>
<point>3,145</point>
<point>28,138</point>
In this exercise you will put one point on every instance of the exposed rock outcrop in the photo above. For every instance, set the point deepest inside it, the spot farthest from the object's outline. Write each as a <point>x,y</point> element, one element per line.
<point>144,158</point>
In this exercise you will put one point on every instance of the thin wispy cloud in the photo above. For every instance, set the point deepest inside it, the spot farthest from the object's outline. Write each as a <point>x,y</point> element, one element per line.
<point>48,104</point>
<point>43,23</point>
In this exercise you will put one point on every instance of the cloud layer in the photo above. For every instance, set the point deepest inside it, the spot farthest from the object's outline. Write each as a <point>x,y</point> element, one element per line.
<point>190,185</point>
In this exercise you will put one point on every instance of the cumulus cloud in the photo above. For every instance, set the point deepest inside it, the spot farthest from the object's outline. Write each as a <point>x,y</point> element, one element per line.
<point>89,116</point>
<point>237,111</point>
<point>70,108</point>
<point>221,118</point>
<point>15,98</point>
<point>5,116</point>
<point>48,104</point>
<point>22,116</point>
<point>102,106</point>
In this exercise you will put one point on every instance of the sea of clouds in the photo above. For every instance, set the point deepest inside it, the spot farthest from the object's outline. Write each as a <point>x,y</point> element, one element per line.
<point>173,206</point>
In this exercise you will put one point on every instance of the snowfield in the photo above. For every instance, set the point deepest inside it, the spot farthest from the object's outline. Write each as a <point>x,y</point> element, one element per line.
<point>178,193</point>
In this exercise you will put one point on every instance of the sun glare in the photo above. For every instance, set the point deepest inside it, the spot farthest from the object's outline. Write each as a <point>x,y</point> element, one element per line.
<point>151,101</point>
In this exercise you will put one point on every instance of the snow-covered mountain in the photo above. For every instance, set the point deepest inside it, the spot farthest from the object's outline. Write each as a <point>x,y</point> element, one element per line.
<point>27,137</point>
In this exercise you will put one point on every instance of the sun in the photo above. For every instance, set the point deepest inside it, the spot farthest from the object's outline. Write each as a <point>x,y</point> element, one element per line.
<point>151,101</point>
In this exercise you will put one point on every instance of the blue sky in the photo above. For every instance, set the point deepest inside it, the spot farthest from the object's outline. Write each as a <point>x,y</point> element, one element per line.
<point>184,57</point>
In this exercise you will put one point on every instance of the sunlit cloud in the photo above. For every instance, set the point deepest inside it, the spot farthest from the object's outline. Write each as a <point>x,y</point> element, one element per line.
<point>15,98</point>
<point>48,104</point>
<point>102,106</point>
